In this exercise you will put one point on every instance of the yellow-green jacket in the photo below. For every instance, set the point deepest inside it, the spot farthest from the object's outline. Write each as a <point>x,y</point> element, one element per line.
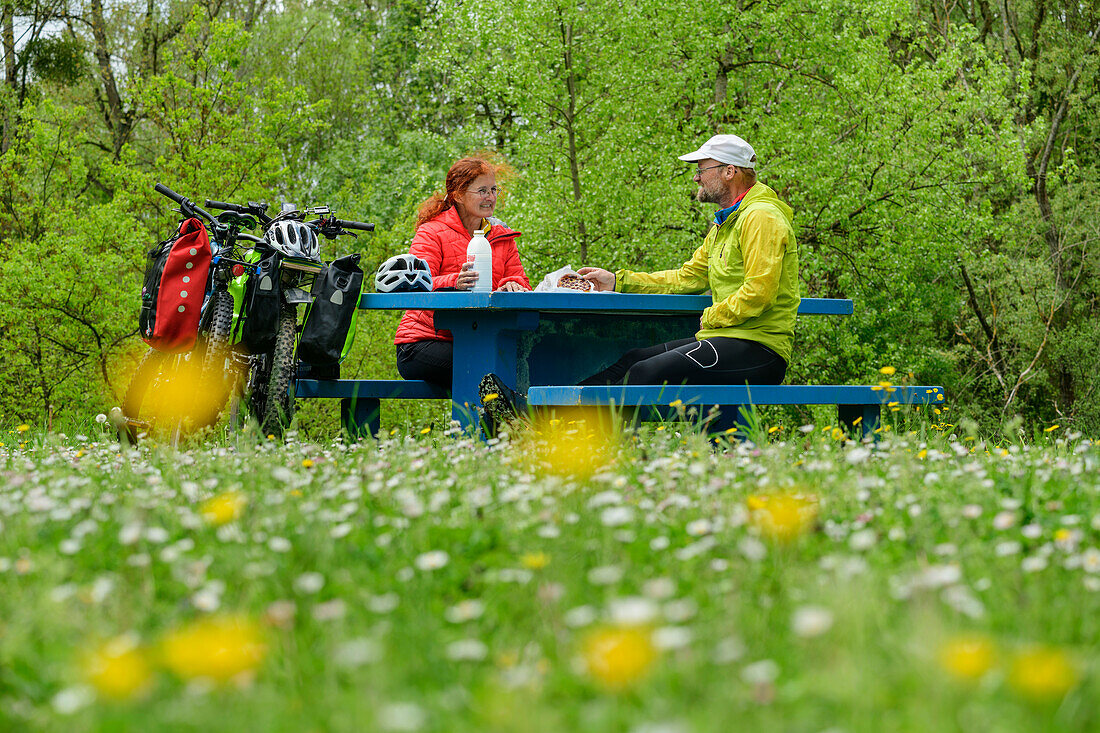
<point>750,264</point>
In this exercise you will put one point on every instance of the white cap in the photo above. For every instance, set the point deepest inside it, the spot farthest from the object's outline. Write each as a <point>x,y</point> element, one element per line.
<point>725,149</point>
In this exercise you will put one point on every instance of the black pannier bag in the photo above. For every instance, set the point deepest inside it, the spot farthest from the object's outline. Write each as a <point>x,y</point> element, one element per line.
<point>336,291</point>
<point>173,289</point>
<point>261,304</point>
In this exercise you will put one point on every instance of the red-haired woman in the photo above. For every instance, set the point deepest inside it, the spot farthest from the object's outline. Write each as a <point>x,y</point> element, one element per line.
<point>444,227</point>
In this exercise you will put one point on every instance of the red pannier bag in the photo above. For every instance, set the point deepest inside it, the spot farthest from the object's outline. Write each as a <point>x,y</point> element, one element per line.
<point>175,285</point>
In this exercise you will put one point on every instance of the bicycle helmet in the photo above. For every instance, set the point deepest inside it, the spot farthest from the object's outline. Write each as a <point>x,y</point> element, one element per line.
<point>294,239</point>
<point>402,274</point>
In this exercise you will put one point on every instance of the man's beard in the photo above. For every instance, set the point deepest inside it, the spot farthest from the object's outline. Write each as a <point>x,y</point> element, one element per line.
<point>709,196</point>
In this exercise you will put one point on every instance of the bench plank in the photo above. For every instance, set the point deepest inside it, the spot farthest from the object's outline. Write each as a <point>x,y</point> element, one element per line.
<point>360,399</point>
<point>856,404</point>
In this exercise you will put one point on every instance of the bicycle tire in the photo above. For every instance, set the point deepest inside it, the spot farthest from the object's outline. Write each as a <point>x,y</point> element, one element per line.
<point>143,395</point>
<point>279,405</point>
<point>218,374</point>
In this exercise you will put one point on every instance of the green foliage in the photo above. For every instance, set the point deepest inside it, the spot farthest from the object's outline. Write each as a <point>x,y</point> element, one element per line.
<point>942,163</point>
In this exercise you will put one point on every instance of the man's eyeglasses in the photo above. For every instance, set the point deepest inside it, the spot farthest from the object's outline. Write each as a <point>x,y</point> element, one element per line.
<point>483,192</point>
<point>699,171</point>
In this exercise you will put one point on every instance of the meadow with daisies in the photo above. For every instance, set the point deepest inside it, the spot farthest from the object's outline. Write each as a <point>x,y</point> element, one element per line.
<point>566,576</point>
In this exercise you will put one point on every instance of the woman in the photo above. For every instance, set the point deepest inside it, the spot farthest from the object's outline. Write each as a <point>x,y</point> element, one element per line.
<point>444,227</point>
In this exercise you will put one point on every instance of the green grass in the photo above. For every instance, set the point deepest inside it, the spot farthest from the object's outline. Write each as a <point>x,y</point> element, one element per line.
<point>918,540</point>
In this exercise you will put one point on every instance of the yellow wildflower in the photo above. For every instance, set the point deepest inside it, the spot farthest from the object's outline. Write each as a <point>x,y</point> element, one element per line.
<point>1051,428</point>
<point>675,403</point>
<point>967,657</point>
<point>425,431</point>
<point>307,463</point>
<point>217,648</point>
<point>223,508</point>
<point>618,658</point>
<point>535,560</point>
<point>1042,673</point>
<point>23,428</point>
<point>118,669</point>
<point>887,370</point>
<point>782,517</point>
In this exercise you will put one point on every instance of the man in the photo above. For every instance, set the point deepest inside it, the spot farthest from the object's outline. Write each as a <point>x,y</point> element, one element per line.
<point>749,262</point>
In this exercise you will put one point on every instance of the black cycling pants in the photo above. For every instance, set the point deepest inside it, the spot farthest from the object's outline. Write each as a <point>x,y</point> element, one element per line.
<point>717,360</point>
<point>429,360</point>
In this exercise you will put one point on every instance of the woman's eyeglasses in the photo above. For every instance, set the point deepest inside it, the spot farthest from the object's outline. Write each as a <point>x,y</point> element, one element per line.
<point>483,192</point>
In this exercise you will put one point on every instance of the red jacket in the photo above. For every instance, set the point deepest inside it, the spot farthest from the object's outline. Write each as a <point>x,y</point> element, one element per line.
<point>441,242</point>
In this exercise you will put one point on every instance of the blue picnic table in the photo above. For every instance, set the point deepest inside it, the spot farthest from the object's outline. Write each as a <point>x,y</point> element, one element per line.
<point>530,339</point>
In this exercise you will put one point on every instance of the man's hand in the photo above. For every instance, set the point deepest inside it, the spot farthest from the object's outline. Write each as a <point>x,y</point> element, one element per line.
<point>512,287</point>
<point>467,278</point>
<point>603,280</point>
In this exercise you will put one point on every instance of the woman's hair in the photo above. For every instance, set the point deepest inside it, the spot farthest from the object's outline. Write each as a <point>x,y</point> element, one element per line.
<point>459,178</point>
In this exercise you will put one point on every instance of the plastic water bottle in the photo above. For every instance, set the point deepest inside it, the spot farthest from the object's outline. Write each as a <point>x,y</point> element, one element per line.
<point>481,254</point>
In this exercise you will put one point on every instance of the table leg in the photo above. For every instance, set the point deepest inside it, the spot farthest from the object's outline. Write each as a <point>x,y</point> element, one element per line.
<point>866,417</point>
<point>487,342</point>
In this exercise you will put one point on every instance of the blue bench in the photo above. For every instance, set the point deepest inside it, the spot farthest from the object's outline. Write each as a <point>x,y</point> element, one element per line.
<point>360,398</point>
<point>857,406</point>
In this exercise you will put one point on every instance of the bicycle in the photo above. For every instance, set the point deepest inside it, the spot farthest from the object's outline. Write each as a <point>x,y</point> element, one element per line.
<point>170,393</point>
<point>271,380</point>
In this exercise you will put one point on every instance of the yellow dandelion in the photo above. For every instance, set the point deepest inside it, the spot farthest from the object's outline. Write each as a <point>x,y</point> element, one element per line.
<point>923,454</point>
<point>1052,428</point>
<point>967,657</point>
<point>118,669</point>
<point>23,428</point>
<point>535,560</point>
<point>838,434</point>
<point>425,431</point>
<point>573,445</point>
<point>887,370</point>
<point>675,403</point>
<point>223,508</point>
<point>618,658</point>
<point>1042,673</point>
<point>783,517</point>
<point>217,648</point>
<point>307,463</point>
<point>772,429</point>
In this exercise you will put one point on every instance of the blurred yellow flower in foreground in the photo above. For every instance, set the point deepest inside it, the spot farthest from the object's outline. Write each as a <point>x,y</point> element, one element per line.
<point>575,443</point>
<point>217,648</point>
<point>1042,673</point>
<point>223,508</point>
<point>535,560</point>
<point>618,658</point>
<point>967,657</point>
<point>782,517</point>
<point>118,669</point>
<point>887,370</point>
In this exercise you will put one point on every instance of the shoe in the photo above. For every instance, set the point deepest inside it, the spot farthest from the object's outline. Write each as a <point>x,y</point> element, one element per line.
<point>501,403</point>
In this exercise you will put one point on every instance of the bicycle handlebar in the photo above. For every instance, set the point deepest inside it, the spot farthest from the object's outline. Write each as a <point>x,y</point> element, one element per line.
<point>361,226</point>
<point>187,207</point>
<point>226,207</point>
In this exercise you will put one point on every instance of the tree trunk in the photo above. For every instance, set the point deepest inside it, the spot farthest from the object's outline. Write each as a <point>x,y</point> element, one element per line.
<point>571,131</point>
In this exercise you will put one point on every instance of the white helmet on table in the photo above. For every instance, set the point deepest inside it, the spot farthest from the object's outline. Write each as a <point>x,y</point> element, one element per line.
<point>403,273</point>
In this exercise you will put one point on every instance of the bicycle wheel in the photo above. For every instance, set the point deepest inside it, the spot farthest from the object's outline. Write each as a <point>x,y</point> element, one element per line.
<point>219,374</point>
<point>279,405</point>
<point>148,407</point>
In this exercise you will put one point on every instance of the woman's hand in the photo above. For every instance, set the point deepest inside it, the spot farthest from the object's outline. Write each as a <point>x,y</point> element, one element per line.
<point>512,287</point>
<point>604,280</point>
<point>467,278</point>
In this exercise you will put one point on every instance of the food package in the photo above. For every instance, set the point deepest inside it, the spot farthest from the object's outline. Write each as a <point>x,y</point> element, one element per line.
<point>565,280</point>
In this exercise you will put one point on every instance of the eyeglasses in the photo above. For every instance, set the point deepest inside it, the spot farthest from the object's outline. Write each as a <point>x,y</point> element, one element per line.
<point>699,171</point>
<point>483,192</point>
